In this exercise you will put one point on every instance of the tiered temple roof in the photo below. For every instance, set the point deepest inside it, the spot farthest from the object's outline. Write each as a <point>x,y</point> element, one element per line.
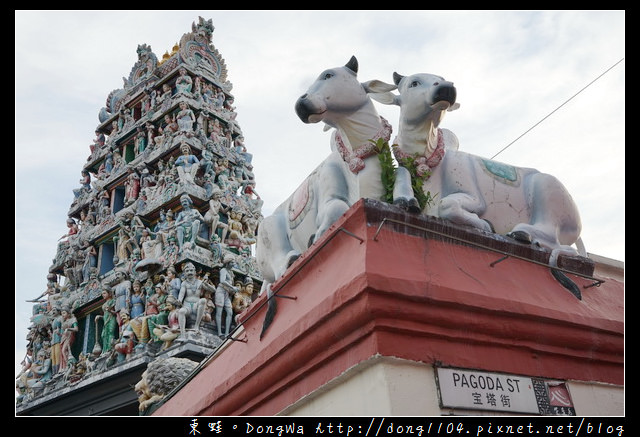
<point>166,211</point>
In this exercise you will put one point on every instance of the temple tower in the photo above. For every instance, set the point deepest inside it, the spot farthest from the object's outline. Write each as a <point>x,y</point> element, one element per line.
<point>166,211</point>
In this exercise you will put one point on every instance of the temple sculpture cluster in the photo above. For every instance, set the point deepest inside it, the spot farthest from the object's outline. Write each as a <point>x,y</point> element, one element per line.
<point>158,257</point>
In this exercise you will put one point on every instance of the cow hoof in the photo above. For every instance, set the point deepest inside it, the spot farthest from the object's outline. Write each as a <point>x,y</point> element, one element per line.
<point>414,206</point>
<point>401,203</point>
<point>292,259</point>
<point>521,236</point>
<point>410,205</point>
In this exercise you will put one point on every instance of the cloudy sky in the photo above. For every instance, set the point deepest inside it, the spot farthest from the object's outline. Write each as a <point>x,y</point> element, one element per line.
<point>511,69</point>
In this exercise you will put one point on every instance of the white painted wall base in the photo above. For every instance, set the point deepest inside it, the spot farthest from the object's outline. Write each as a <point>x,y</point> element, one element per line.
<point>387,386</point>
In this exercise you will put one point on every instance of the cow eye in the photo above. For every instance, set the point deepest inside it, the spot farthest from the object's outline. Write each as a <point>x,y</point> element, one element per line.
<point>328,76</point>
<point>414,84</point>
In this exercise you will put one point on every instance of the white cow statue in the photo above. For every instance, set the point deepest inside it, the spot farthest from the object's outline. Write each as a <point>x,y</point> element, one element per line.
<point>522,203</point>
<point>352,171</point>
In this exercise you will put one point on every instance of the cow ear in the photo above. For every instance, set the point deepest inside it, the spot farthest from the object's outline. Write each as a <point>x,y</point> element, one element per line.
<point>386,98</point>
<point>378,86</point>
<point>352,64</point>
<point>397,78</point>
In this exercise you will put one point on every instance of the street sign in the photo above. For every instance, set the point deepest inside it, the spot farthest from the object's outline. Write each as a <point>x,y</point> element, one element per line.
<point>476,390</point>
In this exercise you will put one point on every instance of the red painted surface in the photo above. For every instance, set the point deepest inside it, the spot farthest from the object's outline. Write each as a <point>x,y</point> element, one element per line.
<point>397,293</point>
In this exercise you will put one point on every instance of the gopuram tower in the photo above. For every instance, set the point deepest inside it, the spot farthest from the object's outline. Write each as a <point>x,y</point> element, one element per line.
<point>165,215</point>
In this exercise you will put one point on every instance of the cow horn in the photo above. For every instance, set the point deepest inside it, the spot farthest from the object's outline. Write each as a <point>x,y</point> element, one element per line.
<point>397,78</point>
<point>352,64</point>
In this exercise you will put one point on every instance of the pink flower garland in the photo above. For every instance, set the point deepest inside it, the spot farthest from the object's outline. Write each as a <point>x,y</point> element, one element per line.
<point>355,159</point>
<point>424,164</point>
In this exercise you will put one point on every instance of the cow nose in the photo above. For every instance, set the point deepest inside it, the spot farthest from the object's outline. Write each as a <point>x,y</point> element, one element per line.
<point>446,92</point>
<point>302,108</point>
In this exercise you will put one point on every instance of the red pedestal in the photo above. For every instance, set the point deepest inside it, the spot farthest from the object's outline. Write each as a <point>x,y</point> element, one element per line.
<point>383,282</point>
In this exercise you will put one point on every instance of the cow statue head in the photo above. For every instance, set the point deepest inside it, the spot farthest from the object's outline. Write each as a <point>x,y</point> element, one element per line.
<point>422,97</point>
<point>336,94</point>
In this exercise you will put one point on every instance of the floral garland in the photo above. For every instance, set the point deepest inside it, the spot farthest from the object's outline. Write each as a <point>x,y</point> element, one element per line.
<point>423,164</point>
<point>420,167</point>
<point>355,159</point>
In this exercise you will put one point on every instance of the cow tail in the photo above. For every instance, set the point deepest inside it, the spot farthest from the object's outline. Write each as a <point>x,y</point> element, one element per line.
<point>272,308</point>
<point>563,279</point>
<point>567,283</point>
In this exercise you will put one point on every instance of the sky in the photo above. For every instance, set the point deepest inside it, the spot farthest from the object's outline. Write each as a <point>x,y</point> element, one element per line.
<point>541,89</point>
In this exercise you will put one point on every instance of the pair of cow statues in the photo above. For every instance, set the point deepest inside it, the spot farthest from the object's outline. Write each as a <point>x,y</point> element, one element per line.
<point>521,203</point>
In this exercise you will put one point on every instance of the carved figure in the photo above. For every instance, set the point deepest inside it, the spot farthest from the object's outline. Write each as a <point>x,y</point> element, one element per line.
<point>184,82</point>
<point>73,231</point>
<point>132,188</point>
<point>98,142</point>
<point>188,222</point>
<point>243,298</point>
<point>150,134</point>
<point>210,307</point>
<point>155,299</point>
<point>170,127</point>
<point>136,301</point>
<point>166,325</point>
<point>150,247</point>
<point>85,184</point>
<point>338,99</point>
<point>165,98</point>
<point>162,376</point>
<point>217,133</point>
<point>193,305</point>
<point>161,316</point>
<point>522,203</point>
<point>78,370</point>
<point>164,227</point>
<point>185,118</point>
<point>140,328</point>
<point>56,339</point>
<point>224,291</point>
<point>197,85</point>
<point>32,380</point>
<point>122,294</point>
<point>90,261</point>
<point>172,282</point>
<point>212,216</point>
<point>140,140</point>
<point>106,167</point>
<point>69,330</point>
<point>207,94</point>
<point>126,342</point>
<point>109,325</point>
<point>104,204</point>
<point>187,164</point>
<point>236,234</point>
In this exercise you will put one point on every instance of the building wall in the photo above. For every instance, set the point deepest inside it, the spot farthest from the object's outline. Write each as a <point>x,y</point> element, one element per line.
<point>387,386</point>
